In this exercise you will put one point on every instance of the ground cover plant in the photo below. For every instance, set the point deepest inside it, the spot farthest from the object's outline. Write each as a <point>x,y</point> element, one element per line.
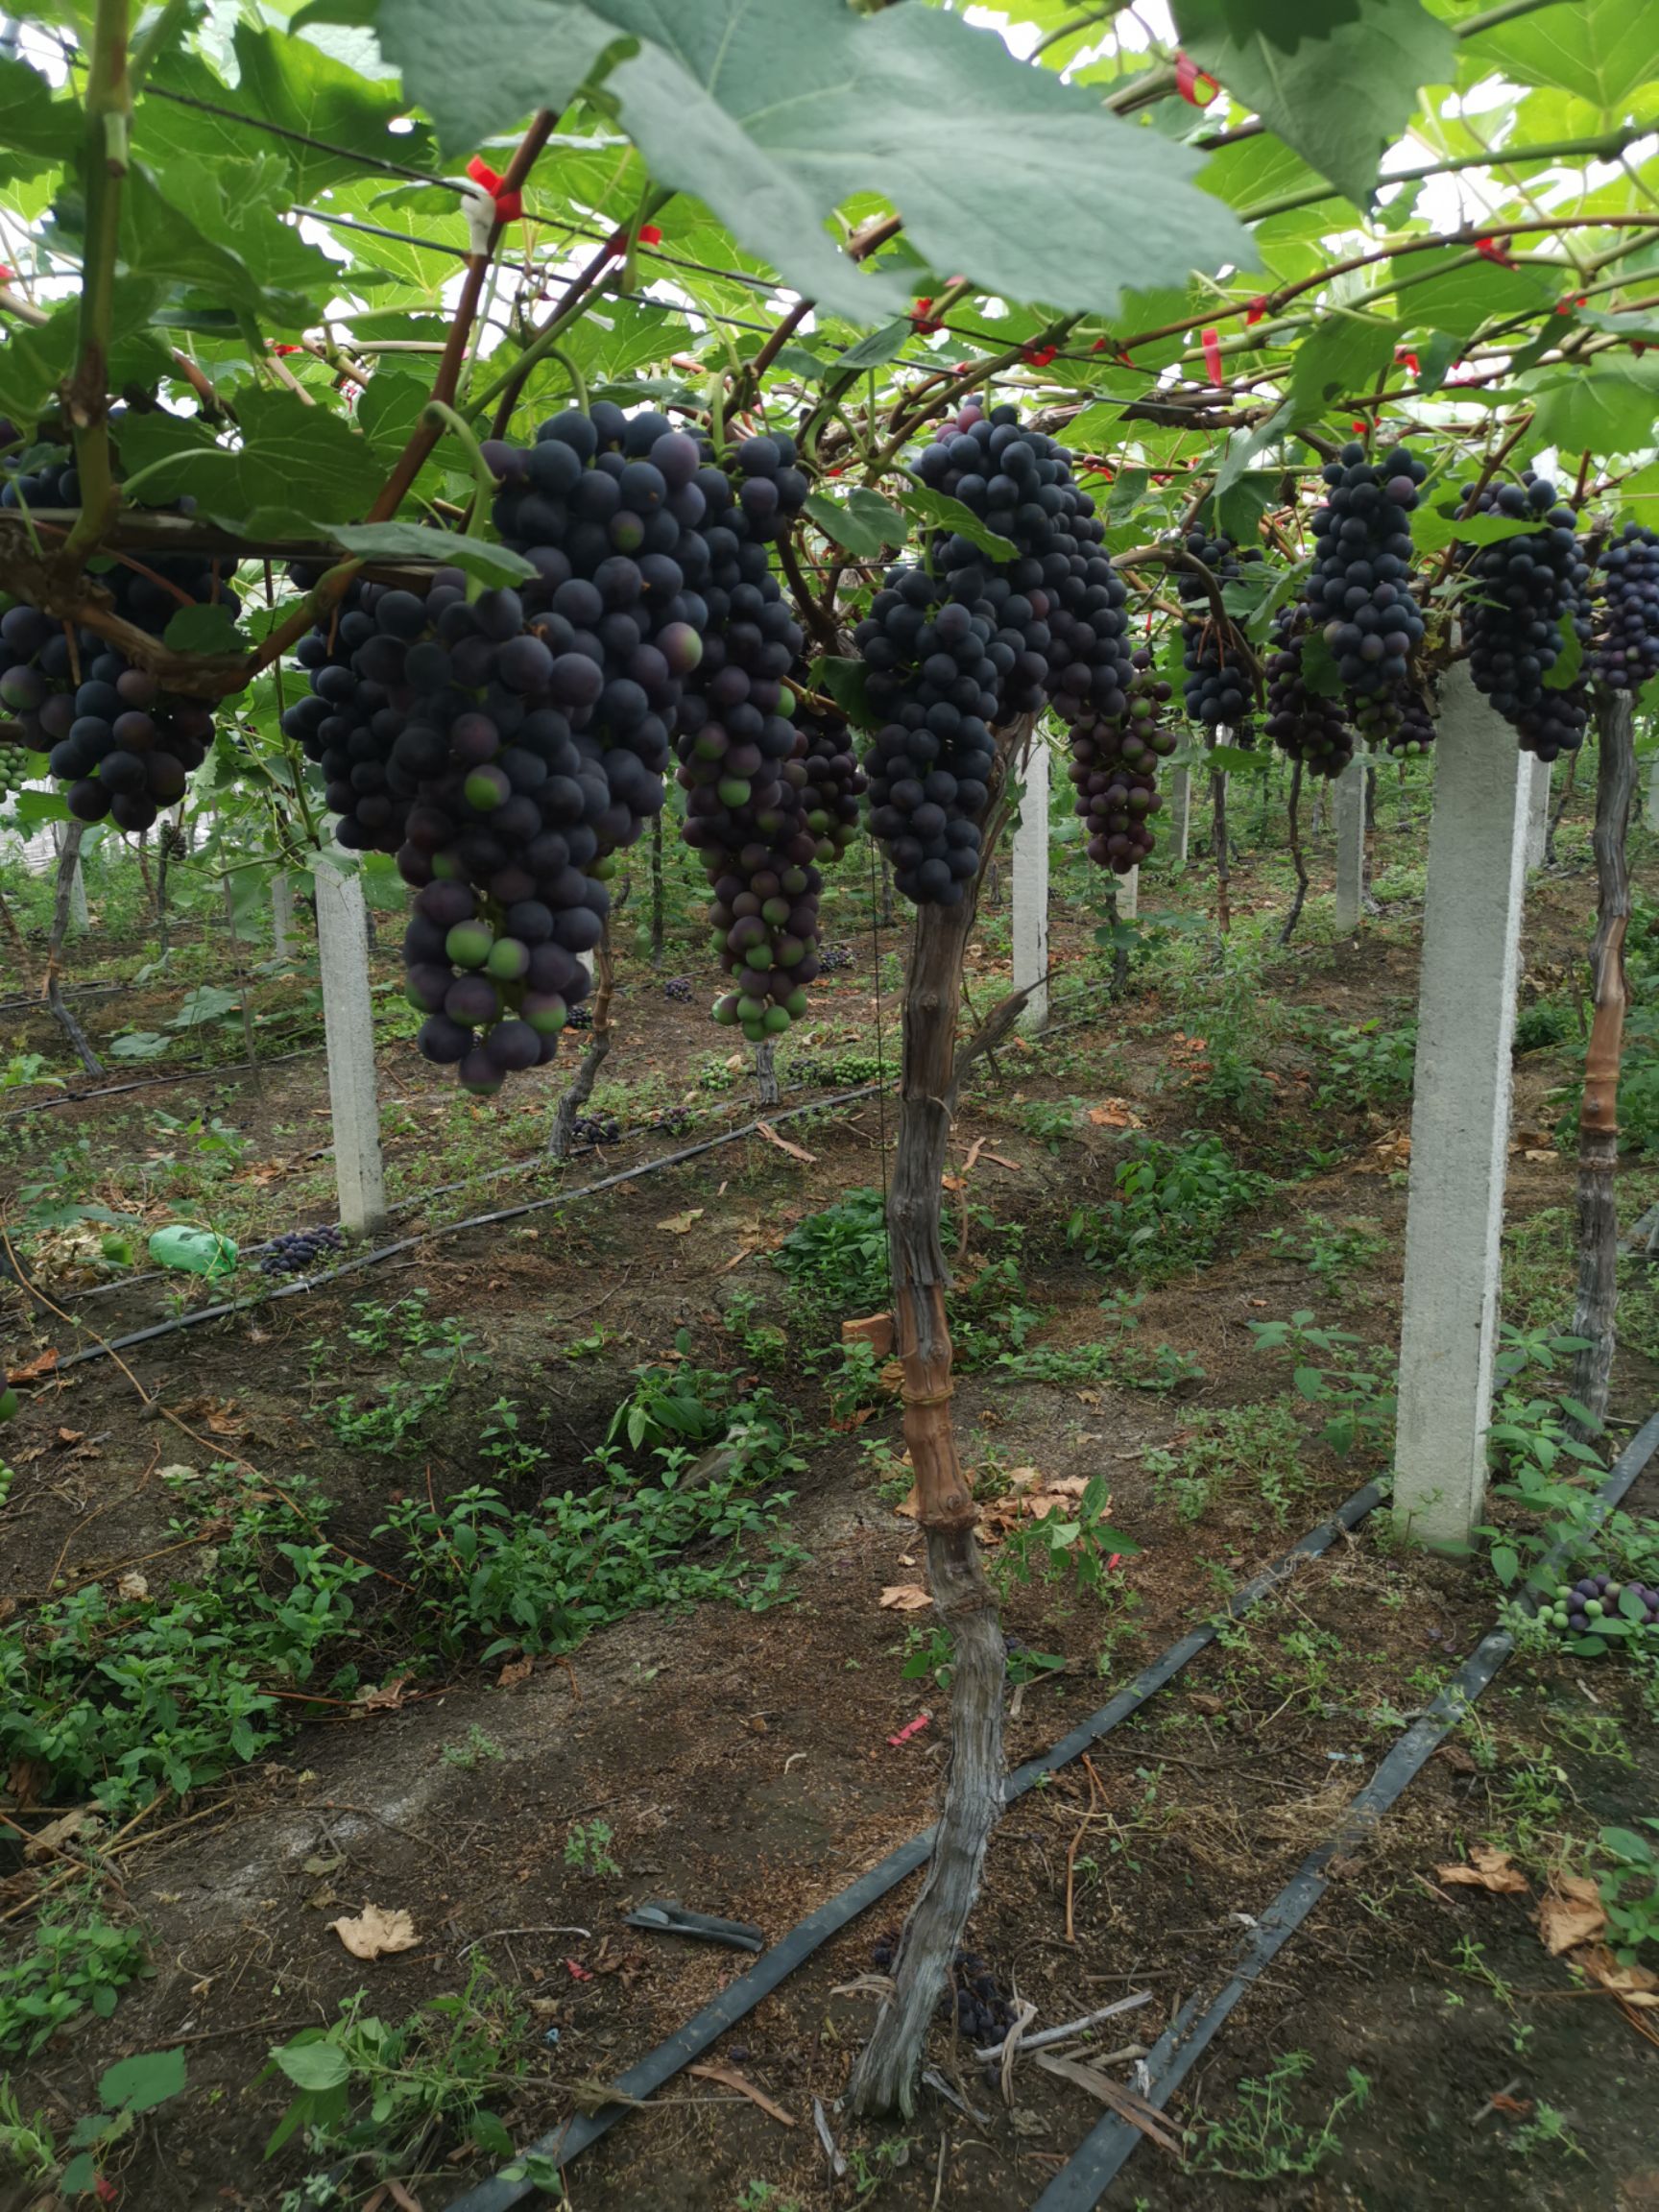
<point>500,538</point>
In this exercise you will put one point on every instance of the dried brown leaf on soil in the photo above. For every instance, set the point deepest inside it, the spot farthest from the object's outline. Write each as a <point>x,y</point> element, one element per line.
<point>383,1696</point>
<point>1487,1869</point>
<point>32,1370</point>
<point>1571,1915</point>
<point>1115,1114</point>
<point>47,1841</point>
<point>729,2077</point>
<point>514,1671</point>
<point>795,1152</point>
<point>1635,1985</point>
<point>680,1224</point>
<point>376,1931</point>
<point>904,1598</point>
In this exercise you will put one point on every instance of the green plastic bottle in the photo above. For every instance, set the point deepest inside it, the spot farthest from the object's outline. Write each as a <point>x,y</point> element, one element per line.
<point>198,1251</point>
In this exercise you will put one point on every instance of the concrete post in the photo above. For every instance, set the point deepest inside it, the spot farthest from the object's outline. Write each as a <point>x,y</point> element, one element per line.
<point>1349,804</point>
<point>79,920</point>
<point>1180,815</point>
<point>281,914</point>
<point>1539,773</point>
<point>1461,1116</point>
<point>1129,896</point>
<point>1030,866</point>
<point>348,1026</point>
<point>1651,808</point>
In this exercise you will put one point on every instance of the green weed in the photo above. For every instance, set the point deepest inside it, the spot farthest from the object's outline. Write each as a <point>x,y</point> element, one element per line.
<point>1264,2140</point>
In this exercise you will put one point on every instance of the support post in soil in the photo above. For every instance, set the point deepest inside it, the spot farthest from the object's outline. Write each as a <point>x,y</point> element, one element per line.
<point>1030,897</point>
<point>281,912</point>
<point>236,969</point>
<point>1180,815</point>
<point>1651,807</point>
<point>69,855</point>
<point>1538,811</point>
<point>1598,1300</point>
<point>766,1089</point>
<point>1350,808</point>
<point>884,2077</point>
<point>1460,1118</point>
<point>1129,895</point>
<point>580,1087</point>
<point>349,1026</point>
<point>68,872</point>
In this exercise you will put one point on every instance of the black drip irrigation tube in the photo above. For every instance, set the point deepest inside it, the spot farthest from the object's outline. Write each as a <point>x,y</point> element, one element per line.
<point>204,1070</point>
<point>1114,2141</point>
<point>776,1965</point>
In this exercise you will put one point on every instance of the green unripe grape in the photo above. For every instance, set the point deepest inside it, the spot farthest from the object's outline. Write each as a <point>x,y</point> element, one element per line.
<point>545,1011</point>
<point>487,789</point>
<point>790,952</point>
<point>725,1010</point>
<point>793,882</point>
<point>1595,1608</point>
<point>755,1032</point>
<point>7,1402</point>
<point>602,870</point>
<point>445,867</point>
<point>819,823</point>
<point>825,852</point>
<point>508,959</point>
<point>734,790</point>
<point>776,1021</point>
<point>750,1008</point>
<point>795,1002</point>
<point>470,943</point>
<point>785,704</point>
<point>776,911</point>
<point>1559,1615</point>
<point>758,956</point>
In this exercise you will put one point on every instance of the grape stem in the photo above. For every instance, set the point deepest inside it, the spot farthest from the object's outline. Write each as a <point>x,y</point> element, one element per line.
<point>578,382</point>
<point>438,416</point>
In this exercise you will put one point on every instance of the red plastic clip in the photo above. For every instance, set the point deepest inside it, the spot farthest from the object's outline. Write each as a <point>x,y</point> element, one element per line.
<point>1039,356</point>
<point>909,1729</point>
<point>1211,348</point>
<point>1493,249</point>
<point>649,236</point>
<point>921,320</point>
<point>1189,77</point>
<point>1404,358</point>
<point>509,205</point>
<point>1257,308</point>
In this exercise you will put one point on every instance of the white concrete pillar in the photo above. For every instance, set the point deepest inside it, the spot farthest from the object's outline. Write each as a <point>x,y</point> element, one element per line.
<point>1461,1116</point>
<point>348,1026</point>
<point>1129,896</point>
<point>1180,815</point>
<point>1349,804</point>
<point>1539,773</point>
<point>1652,808</point>
<point>79,920</point>
<point>281,913</point>
<point>1030,867</point>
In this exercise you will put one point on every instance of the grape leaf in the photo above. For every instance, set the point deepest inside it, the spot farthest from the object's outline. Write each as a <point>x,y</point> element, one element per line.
<point>1568,662</point>
<point>775,115</point>
<point>843,678</point>
<point>1600,410</point>
<point>35,130</point>
<point>1597,50</point>
<point>202,630</point>
<point>947,514</point>
<point>1339,99</point>
<point>313,2066</point>
<point>494,565</point>
<point>1454,292</point>
<point>1346,352</point>
<point>1281,23</point>
<point>878,348</point>
<point>140,2084</point>
<point>863,522</point>
<point>159,240</point>
<point>297,468</point>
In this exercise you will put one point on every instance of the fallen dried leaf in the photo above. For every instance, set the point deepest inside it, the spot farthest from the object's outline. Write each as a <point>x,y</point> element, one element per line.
<point>905,1597</point>
<point>795,1152</point>
<point>47,1841</point>
<point>376,1931</point>
<point>680,1224</point>
<point>729,2077</point>
<point>1115,1114</point>
<point>383,1696</point>
<point>1487,1869</point>
<point>1635,1985</point>
<point>33,1370</point>
<point>514,1671</point>
<point>1572,1914</point>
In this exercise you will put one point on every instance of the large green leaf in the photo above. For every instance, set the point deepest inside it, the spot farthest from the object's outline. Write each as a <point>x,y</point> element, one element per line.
<point>1282,23</point>
<point>159,240</point>
<point>1448,291</point>
<point>492,564</point>
<point>776,114</point>
<point>1340,98</point>
<point>139,2084</point>
<point>35,130</point>
<point>1598,50</point>
<point>297,467</point>
<point>1345,353</point>
<point>1604,409</point>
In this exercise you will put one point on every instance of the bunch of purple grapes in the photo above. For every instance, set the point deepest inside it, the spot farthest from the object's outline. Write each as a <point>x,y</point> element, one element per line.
<point>674,1120</point>
<point>596,1129</point>
<point>1114,770</point>
<point>678,989</point>
<point>833,958</point>
<point>1624,645</point>
<point>983,2012</point>
<point>1359,586</point>
<point>1530,592</point>
<point>958,646</point>
<point>1302,722</point>
<point>296,1249</point>
<point>1586,1607</point>
<point>1218,690</point>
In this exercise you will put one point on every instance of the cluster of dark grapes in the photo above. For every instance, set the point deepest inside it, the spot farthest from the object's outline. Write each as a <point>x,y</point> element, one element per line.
<point>174,842</point>
<point>1529,592</point>
<point>581,1018</point>
<point>596,1129</point>
<point>1583,1607</point>
<point>1114,770</point>
<point>1302,722</point>
<point>678,988</point>
<point>674,1120</point>
<point>983,2013</point>
<point>1218,690</point>
<point>1359,586</point>
<point>1624,645</point>
<point>296,1249</point>
<point>833,958</point>
<point>956,647</point>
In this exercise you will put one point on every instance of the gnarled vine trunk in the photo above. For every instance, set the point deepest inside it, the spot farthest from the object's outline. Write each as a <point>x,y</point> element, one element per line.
<point>766,1091</point>
<point>885,2079</point>
<point>1598,1299</point>
<point>68,860</point>
<point>580,1087</point>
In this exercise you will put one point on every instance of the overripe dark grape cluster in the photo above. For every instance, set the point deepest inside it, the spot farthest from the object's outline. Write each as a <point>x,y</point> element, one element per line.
<point>678,989</point>
<point>983,2012</point>
<point>956,647</point>
<point>1583,1607</point>
<point>1529,593</point>
<point>833,958</point>
<point>1303,723</point>
<point>596,1129</point>
<point>1114,770</point>
<point>1624,642</point>
<point>674,1120</point>
<point>1359,586</point>
<point>173,841</point>
<point>294,1252</point>
<point>1219,691</point>
<point>581,1018</point>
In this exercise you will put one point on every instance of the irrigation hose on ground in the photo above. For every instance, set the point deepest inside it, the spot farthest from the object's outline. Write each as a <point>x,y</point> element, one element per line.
<point>808,1936</point>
